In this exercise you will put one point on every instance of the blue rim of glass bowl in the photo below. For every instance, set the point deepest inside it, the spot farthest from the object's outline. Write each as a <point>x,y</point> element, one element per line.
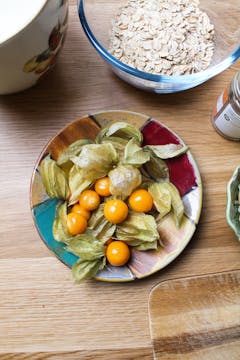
<point>192,78</point>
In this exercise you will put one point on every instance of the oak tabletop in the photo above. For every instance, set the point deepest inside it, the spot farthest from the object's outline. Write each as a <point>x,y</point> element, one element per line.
<point>43,314</point>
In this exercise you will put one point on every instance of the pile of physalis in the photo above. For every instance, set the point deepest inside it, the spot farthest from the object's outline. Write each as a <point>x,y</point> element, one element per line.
<point>114,193</point>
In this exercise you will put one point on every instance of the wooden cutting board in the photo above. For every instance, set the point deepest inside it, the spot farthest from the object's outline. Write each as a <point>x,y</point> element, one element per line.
<point>196,318</point>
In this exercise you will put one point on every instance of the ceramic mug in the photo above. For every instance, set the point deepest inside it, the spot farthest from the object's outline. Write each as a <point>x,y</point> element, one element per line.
<point>31,35</point>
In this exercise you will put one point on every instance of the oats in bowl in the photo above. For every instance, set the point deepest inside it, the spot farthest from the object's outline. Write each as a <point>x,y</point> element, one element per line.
<point>173,37</point>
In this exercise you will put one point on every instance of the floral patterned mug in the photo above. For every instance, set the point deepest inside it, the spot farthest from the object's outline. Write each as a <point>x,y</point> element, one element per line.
<point>30,39</point>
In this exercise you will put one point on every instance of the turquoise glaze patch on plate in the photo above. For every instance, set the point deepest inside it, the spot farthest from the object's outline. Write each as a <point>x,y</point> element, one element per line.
<point>184,174</point>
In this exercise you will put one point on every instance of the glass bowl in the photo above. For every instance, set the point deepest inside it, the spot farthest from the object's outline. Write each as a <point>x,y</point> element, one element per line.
<point>96,16</point>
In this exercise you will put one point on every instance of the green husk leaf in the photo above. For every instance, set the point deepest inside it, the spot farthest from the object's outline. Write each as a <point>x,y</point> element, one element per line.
<point>86,246</point>
<point>124,179</point>
<point>54,179</point>
<point>177,204</point>
<point>100,227</point>
<point>166,197</point>
<point>73,150</point>
<point>167,151</point>
<point>77,183</point>
<point>96,160</point>
<point>157,168</point>
<point>143,246</point>
<point>161,198</point>
<point>60,232</point>
<point>96,217</point>
<point>118,143</point>
<point>134,154</point>
<point>146,179</point>
<point>138,229</point>
<point>87,269</point>
<point>147,246</point>
<point>113,197</point>
<point>122,130</point>
<point>66,167</point>
<point>146,183</point>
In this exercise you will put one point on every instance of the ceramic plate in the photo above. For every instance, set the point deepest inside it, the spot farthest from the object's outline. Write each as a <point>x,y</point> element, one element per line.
<point>183,173</point>
<point>232,213</point>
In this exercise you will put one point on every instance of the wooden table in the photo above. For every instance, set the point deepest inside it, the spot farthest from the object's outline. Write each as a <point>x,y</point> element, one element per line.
<point>43,315</point>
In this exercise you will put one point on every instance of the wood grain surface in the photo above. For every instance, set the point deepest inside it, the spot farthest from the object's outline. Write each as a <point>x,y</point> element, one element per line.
<point>43,315</point>
<point>196,318</point>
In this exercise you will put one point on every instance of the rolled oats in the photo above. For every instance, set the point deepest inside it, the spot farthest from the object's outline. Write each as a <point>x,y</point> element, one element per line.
<point>171,37</point>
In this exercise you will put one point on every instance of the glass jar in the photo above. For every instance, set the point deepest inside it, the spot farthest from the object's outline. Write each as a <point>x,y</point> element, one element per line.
<point>226,115</point>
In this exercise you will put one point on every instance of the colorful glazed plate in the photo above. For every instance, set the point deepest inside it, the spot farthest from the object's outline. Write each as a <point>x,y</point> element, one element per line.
<point>183,173</point>
<point>232,213</point>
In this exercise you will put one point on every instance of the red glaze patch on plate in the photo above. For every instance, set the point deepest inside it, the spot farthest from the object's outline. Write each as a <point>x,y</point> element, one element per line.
<point>155,133</point>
